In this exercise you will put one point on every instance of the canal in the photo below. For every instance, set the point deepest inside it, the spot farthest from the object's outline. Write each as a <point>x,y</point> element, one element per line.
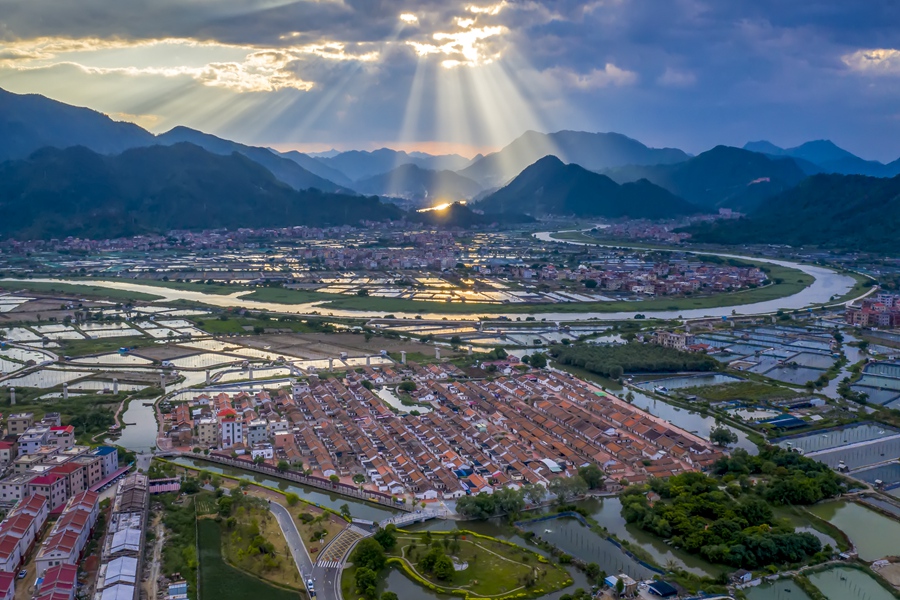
<point>358,508</point>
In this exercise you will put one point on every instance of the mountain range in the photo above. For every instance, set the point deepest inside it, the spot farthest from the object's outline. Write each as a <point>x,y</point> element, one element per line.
<point>723,177</point>
<point>75,171</point>
<point>550,186</point>
<point>593,151</point>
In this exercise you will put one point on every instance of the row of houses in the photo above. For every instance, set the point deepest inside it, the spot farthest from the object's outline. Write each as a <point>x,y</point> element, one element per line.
<point>118,577</point>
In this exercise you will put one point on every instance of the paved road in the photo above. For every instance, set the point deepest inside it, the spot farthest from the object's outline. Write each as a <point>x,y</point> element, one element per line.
<point>295,543</point>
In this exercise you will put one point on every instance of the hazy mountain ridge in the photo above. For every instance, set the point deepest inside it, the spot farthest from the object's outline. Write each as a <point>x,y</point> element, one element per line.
<point>284,169</point>
<point>829,158</point>
<point>593,151</point>
<point>362,164</point>
<point>415,183</point>
<point>550,186</point>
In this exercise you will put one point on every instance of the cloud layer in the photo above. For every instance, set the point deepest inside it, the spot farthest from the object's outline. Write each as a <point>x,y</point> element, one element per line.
<point>687,73</point>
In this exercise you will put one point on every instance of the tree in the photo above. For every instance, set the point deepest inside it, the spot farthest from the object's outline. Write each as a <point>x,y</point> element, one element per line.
<point>565,488</point>
<point>345,510</point>
<point>334,479</point>
<point>283,465</point>
<point>292,498</point>
<point>443,568</point>
<point>620,586</point>
<point>592,476</point>
<point>407,386</point>
<point>387,537</point>
<point>535,493</point>
<point>722,436</point>
<point>369,554</point>
<point>225,503</point>
<point>389,596</point>
<point>366,582</point>
<point>538,360</point>
<point>362,292</point>
<point>592,570</point>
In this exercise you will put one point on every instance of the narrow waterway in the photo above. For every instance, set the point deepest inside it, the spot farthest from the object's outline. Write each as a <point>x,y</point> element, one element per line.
<point>139,432</point>
<point>358,508</point>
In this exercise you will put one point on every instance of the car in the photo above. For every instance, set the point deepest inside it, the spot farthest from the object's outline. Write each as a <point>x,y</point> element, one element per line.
<point>22,574</point>
<point>310,585</point>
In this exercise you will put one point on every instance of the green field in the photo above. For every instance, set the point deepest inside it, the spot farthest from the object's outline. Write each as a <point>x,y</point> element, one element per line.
<point>219,580</point>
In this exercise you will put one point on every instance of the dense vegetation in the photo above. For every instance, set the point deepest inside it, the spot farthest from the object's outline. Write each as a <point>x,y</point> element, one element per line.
<point>846,211</point>
<point>735,525</point>
<point>551,187</point>
<point>613,361</point>
<point>56,193</point>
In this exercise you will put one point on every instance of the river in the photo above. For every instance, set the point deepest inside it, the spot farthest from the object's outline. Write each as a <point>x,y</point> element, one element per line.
<point>827,284</point>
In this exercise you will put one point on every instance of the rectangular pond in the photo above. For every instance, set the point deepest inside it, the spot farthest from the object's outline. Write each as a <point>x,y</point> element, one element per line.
<point>845,583</point>
<point>874,535</point>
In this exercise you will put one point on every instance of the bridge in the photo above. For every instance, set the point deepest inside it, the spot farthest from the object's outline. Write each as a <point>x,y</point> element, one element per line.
<point>415,517</point>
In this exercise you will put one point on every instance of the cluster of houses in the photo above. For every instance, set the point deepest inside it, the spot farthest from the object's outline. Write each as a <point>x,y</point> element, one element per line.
<point>42,458</point>
<point>881,311</point>
<point>464,437</point>
<point>46,474</point>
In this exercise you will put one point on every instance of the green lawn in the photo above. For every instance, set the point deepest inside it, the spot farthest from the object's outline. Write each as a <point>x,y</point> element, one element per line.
<point>492,568</point>
<point>219,580</point>
<point>86,291</point>
<point>102,345</point>
<point>218,326</point>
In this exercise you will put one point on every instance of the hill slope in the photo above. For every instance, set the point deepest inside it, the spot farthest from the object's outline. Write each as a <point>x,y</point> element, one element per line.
<point>551,187</point>
<point>415,183</point>
<point>58,193</point>
<point>282,168</point>
<point>845,211</point>
<point>29,122</point>
<point>593,151</point>
<point>723,177</point>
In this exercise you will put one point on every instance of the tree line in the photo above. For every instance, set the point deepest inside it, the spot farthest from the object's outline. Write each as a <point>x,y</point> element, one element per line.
<point>634,357</point>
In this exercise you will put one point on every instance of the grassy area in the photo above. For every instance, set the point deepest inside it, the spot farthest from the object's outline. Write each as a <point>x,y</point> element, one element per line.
<point>81,291</point>
<point>220,580</point>
<point>484,567</point>
<point>102,345</point>
<point>317,529</point>
<point>240,325</point>
<point>253,542</point>
<point>750,391</point>
<point>88,413</point>
<point>179,553</point>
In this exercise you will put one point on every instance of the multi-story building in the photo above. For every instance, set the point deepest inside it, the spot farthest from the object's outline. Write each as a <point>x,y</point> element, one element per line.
<point>51,486</point>
<point>32,439</point>
<point>110,459</point>
<point>678,341</point>
<point>62,436</point>
<point>15,487</point>
<point>231,428</point>
<point>257,432</point>
<point>207,431</point>
<point>74,476</point>
<point>18,423</point>
<point>70,533</point>
<point>93,469</point>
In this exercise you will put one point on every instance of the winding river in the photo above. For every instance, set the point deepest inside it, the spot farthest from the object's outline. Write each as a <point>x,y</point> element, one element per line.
<point>827,284</point>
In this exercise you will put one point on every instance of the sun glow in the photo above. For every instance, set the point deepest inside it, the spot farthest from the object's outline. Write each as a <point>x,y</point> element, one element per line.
<point>439,207</point>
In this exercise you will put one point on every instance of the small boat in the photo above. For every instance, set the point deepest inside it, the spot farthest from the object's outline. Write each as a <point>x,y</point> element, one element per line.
<point>146,404</point>
<point>661,389</point>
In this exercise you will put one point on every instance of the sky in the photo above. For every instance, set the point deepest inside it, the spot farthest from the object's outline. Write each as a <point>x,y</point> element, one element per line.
<point>467,77</point>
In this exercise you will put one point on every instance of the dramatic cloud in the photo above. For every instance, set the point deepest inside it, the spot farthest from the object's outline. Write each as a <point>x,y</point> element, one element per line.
<point>687,73</point>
